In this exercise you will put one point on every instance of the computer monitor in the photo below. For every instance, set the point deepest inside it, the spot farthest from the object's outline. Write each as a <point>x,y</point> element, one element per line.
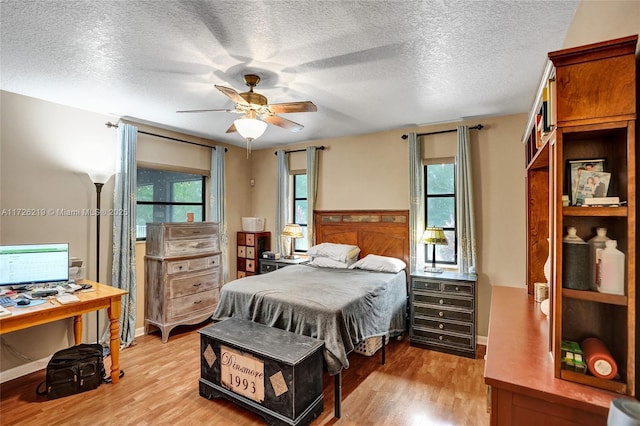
<point>34,263</point>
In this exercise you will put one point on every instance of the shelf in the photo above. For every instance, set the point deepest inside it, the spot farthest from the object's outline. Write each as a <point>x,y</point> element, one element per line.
<point>594,296</point>
<point>541,158</point>
<point>595,211</point>
<point>585,379</point>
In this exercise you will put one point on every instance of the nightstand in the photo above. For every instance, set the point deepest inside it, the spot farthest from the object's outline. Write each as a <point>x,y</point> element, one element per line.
<point>269,265</point>
<point>443,312</point>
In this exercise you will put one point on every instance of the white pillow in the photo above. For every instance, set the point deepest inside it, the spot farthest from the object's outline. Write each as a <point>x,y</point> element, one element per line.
<point>327,262</point>
<point>339,252</point>
<point>373,262</point>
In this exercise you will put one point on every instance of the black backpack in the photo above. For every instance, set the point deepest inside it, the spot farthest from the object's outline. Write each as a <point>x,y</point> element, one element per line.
<point>73,370</point>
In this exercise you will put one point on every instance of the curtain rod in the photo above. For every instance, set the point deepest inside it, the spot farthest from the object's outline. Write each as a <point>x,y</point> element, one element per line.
<point>478,127</point>
<point>321,148</point>
<point>110,124</point>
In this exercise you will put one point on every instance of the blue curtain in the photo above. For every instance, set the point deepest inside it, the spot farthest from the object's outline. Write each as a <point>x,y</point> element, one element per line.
<point>416,202</point>
<point>217,211</point>
<point>282,197</point>
<point>124,230</point>
<point>312,191</point>
<point>464,207</point>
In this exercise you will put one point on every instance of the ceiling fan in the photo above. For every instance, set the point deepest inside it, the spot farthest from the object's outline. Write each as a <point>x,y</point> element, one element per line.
<point>254,106</point>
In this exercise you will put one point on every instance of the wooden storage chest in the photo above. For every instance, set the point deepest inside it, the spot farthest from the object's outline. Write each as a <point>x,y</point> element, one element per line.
<point>272,372</point>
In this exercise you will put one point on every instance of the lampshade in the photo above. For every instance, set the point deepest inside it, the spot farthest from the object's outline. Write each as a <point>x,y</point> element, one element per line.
<point>292,230</point>
<point>250,128</point>
<point>433,235</point>
<point>100,176</point>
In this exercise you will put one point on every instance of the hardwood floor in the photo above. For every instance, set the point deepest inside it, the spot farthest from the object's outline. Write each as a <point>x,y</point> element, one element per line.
<point>160,387</point>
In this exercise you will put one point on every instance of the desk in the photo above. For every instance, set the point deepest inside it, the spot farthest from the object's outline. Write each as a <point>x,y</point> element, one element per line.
<point>102,297</point>
<point>519,369</point>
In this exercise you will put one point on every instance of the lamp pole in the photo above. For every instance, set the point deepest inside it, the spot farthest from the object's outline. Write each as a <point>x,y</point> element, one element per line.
<point>99,186</point>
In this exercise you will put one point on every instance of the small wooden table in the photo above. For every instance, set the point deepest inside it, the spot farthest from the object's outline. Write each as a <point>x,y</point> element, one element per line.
<point>102,297</point>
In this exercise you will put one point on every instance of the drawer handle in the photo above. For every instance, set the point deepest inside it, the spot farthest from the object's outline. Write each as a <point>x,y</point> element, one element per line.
<point>441,301</point>
<point>180,267</point>
<point>457,288</point>
<point>197,285</point>
<point>441,326</point>
<point>199,301</point>
<point>440,337</point>
<point>441,313</point>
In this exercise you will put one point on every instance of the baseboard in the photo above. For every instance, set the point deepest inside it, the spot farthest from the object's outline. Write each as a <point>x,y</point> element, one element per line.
<point>481,340</point>
<point>24,369</point>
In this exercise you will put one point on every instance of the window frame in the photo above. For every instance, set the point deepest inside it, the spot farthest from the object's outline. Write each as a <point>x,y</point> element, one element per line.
<point>454,195</point>
<point>168,169</point>
<point>304,226</point>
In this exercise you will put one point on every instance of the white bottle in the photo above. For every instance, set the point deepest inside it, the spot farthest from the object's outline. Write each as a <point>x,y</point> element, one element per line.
<point>595,243</point>
<point>610,269</point>
<point>572,236</point>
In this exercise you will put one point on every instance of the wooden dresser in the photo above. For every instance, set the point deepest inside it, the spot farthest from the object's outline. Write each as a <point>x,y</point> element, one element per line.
<point>182,274</point>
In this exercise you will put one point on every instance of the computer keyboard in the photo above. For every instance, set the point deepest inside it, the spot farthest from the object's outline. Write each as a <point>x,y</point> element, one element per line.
<point>6,301</point>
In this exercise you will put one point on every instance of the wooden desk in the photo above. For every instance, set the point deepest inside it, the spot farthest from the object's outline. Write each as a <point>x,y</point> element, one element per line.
<point>102,297</point>
<point>519,369</point>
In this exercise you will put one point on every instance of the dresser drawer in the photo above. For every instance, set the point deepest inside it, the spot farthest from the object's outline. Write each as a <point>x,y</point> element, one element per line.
<point>442,300</point>
<point>186,247</point>
<point>205,231</point>
<point>458,288</point>
<point>267,267</point>
<point>193,283</point>
<point>425,285</point>
<point>189,305</point>
<point>451,314</point>
<point>192,265</point>
<point>444,338</point>
<point>441,325</point>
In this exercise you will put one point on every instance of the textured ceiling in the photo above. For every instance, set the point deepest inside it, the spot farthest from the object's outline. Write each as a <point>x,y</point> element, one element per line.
<point>369,66</point>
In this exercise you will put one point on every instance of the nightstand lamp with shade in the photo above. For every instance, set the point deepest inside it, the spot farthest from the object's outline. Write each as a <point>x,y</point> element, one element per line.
<point>434,236</point>
<point>292,231</point>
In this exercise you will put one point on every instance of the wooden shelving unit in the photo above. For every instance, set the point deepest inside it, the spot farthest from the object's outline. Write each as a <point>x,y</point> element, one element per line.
<point>592,96</point>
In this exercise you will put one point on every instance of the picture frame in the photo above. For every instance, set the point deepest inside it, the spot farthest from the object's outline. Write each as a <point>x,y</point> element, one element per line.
<point>573,169</point>
<point>592,184</point>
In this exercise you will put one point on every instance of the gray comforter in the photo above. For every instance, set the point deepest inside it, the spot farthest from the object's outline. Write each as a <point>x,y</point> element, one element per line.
<point>340,306</point>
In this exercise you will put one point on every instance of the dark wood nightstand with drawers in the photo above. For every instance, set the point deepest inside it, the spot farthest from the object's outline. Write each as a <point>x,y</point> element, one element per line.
<point>269,265</point>
<point>443,314</point>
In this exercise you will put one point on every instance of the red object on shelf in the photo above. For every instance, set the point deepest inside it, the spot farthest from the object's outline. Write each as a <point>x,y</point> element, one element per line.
<point>599,360</point>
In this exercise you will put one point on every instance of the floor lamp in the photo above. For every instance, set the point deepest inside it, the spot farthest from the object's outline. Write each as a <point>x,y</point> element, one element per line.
<point>98,179</point>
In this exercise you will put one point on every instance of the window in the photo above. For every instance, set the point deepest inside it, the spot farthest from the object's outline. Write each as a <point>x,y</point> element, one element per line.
<point>440,208</point>
<point>166,196</point>
<point>300,209</point>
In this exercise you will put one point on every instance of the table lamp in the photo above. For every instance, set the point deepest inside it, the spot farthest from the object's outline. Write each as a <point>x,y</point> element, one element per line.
<point>292,230</point>
<point>434,236</point>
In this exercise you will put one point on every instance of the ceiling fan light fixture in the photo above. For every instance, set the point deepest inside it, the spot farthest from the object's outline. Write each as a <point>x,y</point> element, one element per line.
<point>250,128</point>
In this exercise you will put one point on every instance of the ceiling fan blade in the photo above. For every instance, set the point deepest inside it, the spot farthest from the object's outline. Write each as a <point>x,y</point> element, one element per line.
<point>232,94</point>
<point>288,107</point>
<point>208,110</point>
<point>232,128</point>
<point>283,122</point>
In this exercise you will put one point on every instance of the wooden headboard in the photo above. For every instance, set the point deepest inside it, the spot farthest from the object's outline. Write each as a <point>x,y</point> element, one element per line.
<point>382,232</point>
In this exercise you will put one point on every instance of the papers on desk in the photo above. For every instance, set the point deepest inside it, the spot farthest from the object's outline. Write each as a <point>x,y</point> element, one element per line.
<point>4,311</point>
<point>67,298</point>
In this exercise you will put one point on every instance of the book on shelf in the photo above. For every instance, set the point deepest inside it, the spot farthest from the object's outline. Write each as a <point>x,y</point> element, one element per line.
<point>551,108</point>
<point>601,202</point>
<point>544,111</point>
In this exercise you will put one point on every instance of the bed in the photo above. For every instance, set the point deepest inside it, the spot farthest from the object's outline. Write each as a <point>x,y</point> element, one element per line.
<point>340,306</point>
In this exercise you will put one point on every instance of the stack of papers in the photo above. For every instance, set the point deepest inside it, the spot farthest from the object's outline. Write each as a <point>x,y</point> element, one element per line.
<point>67,298</point>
